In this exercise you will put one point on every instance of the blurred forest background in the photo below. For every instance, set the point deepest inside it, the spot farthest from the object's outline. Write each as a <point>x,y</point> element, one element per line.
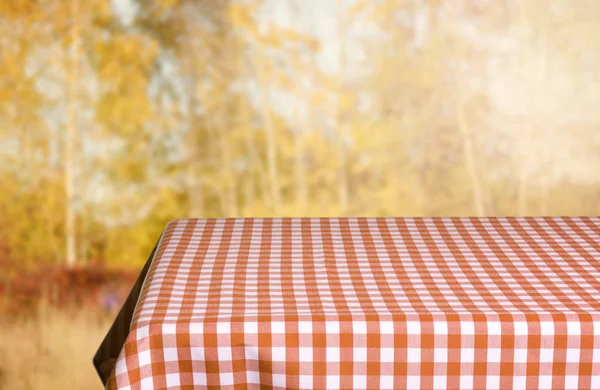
<point>118,116</point>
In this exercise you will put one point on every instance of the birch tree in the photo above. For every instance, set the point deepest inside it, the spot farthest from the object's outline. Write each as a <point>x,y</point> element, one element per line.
<point>72,133</point>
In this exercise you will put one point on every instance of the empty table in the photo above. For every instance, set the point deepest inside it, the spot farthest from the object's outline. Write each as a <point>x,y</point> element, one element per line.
<point>357,303</point>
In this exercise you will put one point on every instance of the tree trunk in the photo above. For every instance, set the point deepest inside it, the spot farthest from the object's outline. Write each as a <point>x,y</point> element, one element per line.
<point>469,155</point>
<point>300,153</point>
<point>253,163</point>
<point>256,186</point>
<point>343,196</point>
<point>467,141</point>
<point>522,193</point>
<point>195,190</point>
<point>226,164</point>
<point>545,198</point>
<point>271,143</point>
<point>272,160</point>
<point>300,172</point>
<point>536,63</point>
<point>72,136</point>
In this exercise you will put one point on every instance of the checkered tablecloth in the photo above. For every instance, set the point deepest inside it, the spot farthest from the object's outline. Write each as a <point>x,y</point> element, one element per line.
<point>357,303</point>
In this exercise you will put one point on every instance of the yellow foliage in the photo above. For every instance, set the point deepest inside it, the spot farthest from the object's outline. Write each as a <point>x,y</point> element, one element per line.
<point>240,16</point>
<point>182,112</point>
<point>18,8</point>
<point>358,8</point>
<point>168,4</point>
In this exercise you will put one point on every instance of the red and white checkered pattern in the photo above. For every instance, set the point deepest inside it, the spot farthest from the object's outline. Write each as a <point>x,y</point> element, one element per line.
<point>357,303</point>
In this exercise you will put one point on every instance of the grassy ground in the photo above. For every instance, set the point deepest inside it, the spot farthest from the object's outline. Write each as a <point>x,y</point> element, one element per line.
<point>52,350</point>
